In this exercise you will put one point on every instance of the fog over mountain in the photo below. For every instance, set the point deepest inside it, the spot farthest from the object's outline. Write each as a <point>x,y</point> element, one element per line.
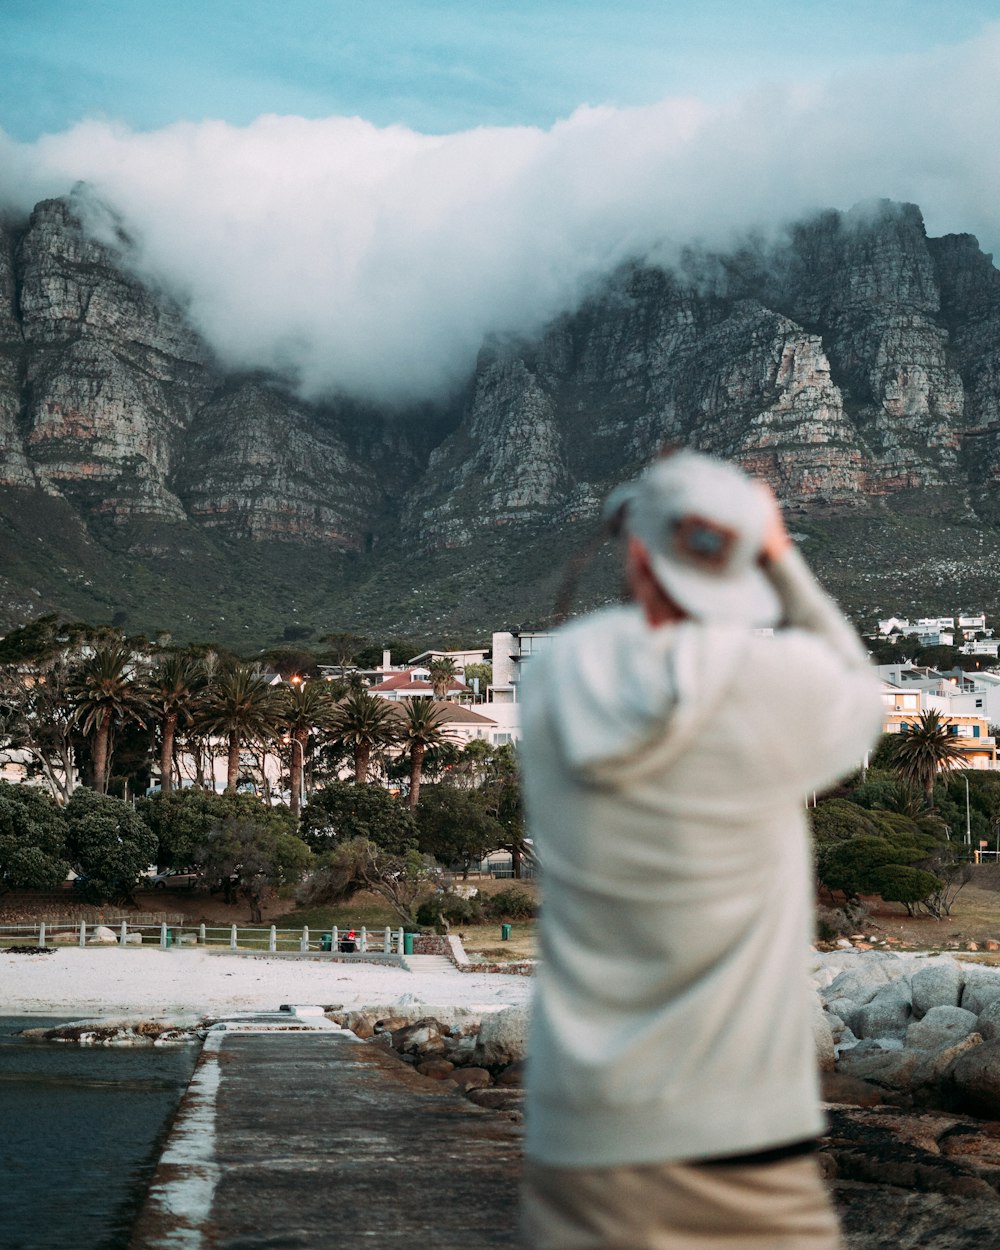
<point>854,363</point>
<point>373,263</point>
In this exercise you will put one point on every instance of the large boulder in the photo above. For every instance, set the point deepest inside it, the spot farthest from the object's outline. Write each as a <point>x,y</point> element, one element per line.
<point>425,1037</point>
<point>839,1087</point>
<point>938,985</point>
<point>503,1037</point>
<point>436,1069</point>
<point>887,1014</point>
<point>891,1068</point>
<point>982,987</point>
<point>498,1099</point>
<point>988,1023</point>
<point>844,1009</point>
<point>861,982</point>
<point>940,1027</point>
<point>975,1077</point>
<point>471,1078</point>
<point>101,935</point>
<point>823,1039</point>
<point>933,1070</point>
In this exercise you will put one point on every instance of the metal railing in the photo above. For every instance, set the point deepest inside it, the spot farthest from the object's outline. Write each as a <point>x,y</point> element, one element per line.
<point>267,939</point>
<point>505,872</point>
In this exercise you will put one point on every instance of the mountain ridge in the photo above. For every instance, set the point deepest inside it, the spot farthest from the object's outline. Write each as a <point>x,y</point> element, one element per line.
<point>855,364</point>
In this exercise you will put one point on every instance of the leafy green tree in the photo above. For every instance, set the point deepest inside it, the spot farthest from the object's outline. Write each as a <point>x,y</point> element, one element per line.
<point>455,826</point>
<point>342,647</point>
<point>344,812</point>
<point>984,805</point>
<point>836,820</point>
<point>862,851</point>
<point>923,751</point>
<point>422,728</point>
<point>371,656</point>
<point>32,839</point>
<point>240,705</point>
<point>289,662</point>
<point>401,879</point>
<point>906,884</point>
<point>261,857</point>
<point>881,758</point>
<point>952,875</point>
<point>483,673</point>
<point>852,865</point>
<point>47,637</point>
<point>364,724</point>
<point>37,719</point>
<point>173,691</point>
<point>109,843</point>
<point>471,767</point>
<point>502,792</point>
<point>883,790</point>
<point>104,695</point>
<point>184,820</point>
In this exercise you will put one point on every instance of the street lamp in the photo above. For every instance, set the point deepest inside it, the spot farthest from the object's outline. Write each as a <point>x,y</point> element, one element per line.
<point>968,823</point>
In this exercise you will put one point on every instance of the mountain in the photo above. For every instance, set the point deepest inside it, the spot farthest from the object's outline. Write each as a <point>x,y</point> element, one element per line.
<point>855,364</point>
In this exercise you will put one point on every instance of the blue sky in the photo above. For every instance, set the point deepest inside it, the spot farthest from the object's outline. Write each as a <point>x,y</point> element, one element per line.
<point>433,65</point>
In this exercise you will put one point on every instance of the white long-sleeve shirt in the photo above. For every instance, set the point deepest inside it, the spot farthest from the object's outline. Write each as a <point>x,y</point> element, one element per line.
<point>665,773</point>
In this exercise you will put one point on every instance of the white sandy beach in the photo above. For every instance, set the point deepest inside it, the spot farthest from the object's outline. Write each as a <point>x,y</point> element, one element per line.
<point>114,982</point>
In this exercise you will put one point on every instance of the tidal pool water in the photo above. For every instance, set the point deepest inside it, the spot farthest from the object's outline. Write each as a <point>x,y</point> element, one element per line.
<point>80,1132</point>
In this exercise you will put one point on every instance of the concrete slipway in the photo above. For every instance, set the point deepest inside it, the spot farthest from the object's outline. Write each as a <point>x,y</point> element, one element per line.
<point>294,1135</point>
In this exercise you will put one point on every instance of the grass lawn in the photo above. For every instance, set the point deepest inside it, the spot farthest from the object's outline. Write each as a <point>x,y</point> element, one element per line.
<point>975,917</point>
<point>482,941</point>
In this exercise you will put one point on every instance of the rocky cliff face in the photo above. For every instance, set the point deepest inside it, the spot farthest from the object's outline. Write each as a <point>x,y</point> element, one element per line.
<point>849,363</point>
<point>853,364</point>
<point>110,400</point>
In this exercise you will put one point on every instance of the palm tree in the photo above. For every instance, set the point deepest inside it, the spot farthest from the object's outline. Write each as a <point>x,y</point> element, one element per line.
<point>104,694</point>
<point>442,671</point>
<point>364,722</point>
<point>173,691</point>
<point>304,706</point>
<point>241,704</point>
<point>421,728</point>
<point>926,747</point>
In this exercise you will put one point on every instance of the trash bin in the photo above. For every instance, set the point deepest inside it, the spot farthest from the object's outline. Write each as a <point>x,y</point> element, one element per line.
<point>407,943</point>
<point>505,932</point>
<point>326,942</point>
<point>169,938</point>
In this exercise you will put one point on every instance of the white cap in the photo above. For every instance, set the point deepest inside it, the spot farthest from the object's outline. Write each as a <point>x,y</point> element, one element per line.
<point>703,523</point>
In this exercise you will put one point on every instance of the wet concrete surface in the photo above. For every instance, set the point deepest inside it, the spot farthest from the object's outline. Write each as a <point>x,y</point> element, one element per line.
<point>318,1140</point>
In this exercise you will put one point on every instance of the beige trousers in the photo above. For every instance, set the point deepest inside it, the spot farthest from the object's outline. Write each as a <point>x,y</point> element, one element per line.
<point>679,1206</point>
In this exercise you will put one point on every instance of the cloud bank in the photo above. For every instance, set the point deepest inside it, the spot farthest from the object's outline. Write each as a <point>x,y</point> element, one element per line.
<point>373,262</point>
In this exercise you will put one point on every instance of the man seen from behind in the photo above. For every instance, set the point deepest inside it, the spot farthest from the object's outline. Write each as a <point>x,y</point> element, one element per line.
<point>669,746</point>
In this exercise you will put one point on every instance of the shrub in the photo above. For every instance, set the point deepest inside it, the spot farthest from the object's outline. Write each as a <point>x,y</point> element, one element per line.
<point>451,907</point>
<point>835,922</point>
<point>511,904</point>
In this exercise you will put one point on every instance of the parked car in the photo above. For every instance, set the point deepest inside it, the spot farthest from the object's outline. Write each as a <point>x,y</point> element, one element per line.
<point>176,879</point>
